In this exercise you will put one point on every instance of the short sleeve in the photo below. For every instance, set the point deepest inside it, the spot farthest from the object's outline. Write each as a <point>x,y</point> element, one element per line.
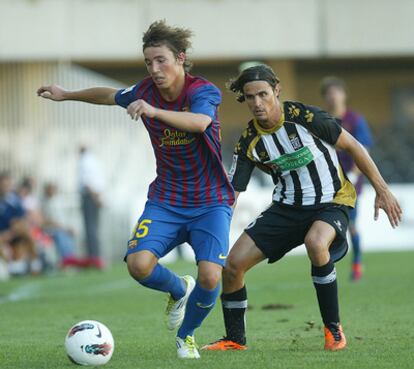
<point>126,96</point>
<point>319,123</point>
<point>205,100</point>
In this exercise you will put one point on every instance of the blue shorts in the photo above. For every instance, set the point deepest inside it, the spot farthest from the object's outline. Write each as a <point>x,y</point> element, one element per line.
<point>163,227</point>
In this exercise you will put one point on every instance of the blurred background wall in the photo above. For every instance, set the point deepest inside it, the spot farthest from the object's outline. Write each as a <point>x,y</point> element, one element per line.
<point>81,43</point>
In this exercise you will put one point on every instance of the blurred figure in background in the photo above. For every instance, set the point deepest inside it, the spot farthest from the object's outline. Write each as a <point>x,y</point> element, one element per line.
<point>33,213</point>
<point>334,93</point>
<point>91,185</point>
<point>54,223</point>
<point>16,243</point>
<point>30,201</point>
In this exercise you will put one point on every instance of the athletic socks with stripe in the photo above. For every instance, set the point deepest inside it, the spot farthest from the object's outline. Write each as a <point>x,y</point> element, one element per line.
<point>324,280</point>
<point>234,309</point>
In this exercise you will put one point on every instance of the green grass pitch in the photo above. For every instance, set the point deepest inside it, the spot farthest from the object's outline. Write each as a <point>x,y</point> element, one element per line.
<point>377,314</point>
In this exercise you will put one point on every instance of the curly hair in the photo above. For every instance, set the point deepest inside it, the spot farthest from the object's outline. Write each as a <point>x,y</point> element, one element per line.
<point>176,39</point>
<point>261,72</point>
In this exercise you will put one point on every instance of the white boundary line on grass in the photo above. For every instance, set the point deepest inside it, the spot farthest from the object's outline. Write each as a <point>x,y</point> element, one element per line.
<point>25,292</point>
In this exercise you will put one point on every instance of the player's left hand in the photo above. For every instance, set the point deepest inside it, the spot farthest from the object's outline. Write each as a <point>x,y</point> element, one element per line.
<point>386,201</point>
<point>141,107</point>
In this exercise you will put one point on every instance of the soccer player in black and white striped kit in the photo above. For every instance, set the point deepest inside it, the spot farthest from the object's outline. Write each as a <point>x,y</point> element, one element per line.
<point>295,144</point>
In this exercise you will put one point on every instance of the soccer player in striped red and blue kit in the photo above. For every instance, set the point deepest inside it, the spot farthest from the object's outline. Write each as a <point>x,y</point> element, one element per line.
<point>335,96</point>
<point>191,197</point>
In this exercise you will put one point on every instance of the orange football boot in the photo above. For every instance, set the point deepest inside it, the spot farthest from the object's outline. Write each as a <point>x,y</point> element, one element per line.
<point>224,345</point>
<point>334,337</point>
<point>356,274</point>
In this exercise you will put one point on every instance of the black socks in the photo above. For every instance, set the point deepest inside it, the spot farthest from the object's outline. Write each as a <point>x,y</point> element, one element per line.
<point>324,280</point>
<point>234,309</point>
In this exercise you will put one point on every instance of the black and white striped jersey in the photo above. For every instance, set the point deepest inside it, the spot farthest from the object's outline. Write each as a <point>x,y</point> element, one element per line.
<point>300,156</point>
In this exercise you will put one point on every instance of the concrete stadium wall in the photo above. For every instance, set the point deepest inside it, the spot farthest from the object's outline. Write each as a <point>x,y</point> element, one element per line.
<point>111,29</point>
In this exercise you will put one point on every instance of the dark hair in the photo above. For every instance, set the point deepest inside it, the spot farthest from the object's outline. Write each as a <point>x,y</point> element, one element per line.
<point>261,72</point>
<point>331,81</point>
<point>26,183</point>
<point>176,39</point>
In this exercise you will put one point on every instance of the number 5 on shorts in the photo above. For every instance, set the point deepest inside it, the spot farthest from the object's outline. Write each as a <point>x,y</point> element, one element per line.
<point>141,229</point>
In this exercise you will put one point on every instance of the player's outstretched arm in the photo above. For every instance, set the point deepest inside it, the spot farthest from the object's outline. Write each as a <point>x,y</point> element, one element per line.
<point>94,95</point>
<point>384,198</point>
<point>186,121</point>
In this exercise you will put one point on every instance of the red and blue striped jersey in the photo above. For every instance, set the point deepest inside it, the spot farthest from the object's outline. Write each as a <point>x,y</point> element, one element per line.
<point>189,166</point>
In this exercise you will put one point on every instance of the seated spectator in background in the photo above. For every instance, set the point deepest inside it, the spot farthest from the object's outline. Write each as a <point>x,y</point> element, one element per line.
<point>30,201</point>
<point>54,225</point>
<point>16,242</point>
<point>31,205</point>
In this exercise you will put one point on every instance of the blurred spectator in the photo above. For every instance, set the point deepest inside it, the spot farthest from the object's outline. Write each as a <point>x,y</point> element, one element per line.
<point>16,243</point>
<point>91,186</point>
<point>31,205</point>
<point>54,223</point>
<point>334,93</point>
<point>30,202</point>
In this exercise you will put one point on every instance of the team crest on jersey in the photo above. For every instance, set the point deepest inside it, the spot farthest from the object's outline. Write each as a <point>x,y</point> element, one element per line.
<point>132,244</point>
<point>295,141</point>
<point>175,138</point>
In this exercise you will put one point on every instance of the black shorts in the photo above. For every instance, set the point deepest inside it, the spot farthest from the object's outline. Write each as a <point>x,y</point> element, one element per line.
<point>281,228</point>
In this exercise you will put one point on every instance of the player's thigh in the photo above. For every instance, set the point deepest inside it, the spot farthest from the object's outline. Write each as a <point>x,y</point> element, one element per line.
<point>243,255</point>
<point>319,237</point>
<point>328,231</point>
<point>157,231</point>
<point>209,235</point>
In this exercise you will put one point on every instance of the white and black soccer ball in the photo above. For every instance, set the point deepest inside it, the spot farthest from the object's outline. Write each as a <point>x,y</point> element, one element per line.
<point>89,343</point>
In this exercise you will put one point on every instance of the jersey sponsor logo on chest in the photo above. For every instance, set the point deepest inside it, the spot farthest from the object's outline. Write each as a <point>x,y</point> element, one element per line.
<point>291,161</point>
<point>175,138</point>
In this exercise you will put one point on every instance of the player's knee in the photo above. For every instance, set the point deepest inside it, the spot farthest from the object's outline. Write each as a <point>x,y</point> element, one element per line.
<point>139,268</point>
<point>232,271</point>
<point>316,248</point>
<point>209,281</point>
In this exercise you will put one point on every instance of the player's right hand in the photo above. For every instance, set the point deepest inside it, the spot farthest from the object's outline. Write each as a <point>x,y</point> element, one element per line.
<point>53,92</point>
<point>386,201</point>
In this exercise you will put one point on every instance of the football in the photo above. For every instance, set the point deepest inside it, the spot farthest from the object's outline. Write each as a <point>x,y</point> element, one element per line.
<point>89,343</point>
